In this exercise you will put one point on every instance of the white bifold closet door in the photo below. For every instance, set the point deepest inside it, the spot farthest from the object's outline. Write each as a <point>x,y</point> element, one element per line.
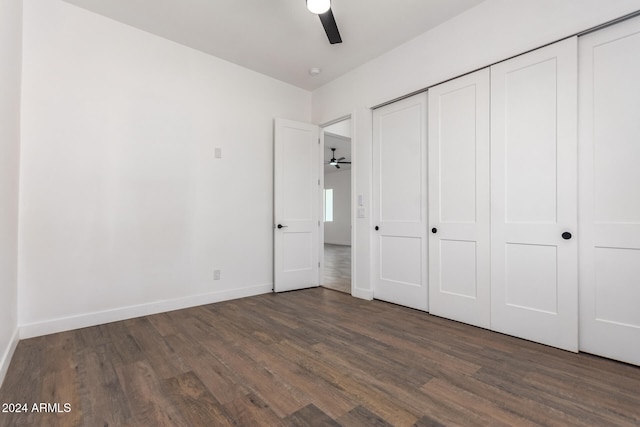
<point>400,202</point>
<point>459,199</point>
<point>610,192</point>
<point>534,266</point>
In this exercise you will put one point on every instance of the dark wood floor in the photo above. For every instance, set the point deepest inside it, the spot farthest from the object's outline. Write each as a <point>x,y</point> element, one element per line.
<point>317,358</point>
<point>337,267</point>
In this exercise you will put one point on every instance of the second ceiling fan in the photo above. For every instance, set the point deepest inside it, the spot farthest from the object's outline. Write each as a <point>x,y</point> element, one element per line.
<point>322,8</point>
<point>337,162</point>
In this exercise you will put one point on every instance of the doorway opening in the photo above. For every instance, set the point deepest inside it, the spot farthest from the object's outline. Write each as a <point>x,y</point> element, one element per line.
<point>337,215</point>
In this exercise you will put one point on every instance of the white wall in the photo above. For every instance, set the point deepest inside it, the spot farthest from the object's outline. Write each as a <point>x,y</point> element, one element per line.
<point>338,232</point>
<point>342,128</point>
<point>10,60</point>
<point>123,209</point>
<point>490,32</point>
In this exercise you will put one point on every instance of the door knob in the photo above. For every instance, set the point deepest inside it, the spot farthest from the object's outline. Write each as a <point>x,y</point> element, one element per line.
<point>282,226</point>
<point>434,230</point>
<point>377,228</point>
<point>566,235</point>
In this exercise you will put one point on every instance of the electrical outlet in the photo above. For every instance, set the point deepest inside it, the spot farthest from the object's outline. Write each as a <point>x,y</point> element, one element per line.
<point>217,152</point>
<point>216,274</point>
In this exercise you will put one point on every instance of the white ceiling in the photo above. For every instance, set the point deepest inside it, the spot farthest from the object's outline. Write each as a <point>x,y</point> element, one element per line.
<point>280,38</point>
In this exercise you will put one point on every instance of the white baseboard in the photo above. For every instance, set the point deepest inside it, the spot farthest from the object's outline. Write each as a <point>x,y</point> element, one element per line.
<point>98,318</point>
<point>362,293</point>
<point>5,361</point>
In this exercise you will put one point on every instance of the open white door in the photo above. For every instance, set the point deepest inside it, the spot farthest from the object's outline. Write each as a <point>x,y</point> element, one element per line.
<point>400,202</point>
<point>534,265</point>
<point>459,204</point>
<point>610,192</point>
<point>296,205</point>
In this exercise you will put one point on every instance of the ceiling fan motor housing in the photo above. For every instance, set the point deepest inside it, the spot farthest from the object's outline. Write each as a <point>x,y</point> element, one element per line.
<point>336,162</point>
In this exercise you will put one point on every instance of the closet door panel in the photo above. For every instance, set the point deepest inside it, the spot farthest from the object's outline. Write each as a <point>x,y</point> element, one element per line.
<point>534,196</point>
<point>459,199</point>
<point>610,192</point>
<point>400,202</point>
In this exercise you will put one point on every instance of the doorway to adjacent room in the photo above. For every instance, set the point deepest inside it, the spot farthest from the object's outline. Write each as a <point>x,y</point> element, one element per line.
<point>337,215</point>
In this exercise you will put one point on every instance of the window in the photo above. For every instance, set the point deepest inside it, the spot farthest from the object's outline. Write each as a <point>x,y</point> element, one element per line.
<point>328,204</point>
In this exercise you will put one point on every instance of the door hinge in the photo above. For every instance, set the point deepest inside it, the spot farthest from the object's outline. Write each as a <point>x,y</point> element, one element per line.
<point>318,182</point>
<point>318,264</point>
<point>318,223</point>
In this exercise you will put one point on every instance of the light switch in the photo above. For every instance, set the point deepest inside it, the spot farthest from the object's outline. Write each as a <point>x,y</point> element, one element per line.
<point>361,213</point>
<point>218,153</point>
<point>360,199</point>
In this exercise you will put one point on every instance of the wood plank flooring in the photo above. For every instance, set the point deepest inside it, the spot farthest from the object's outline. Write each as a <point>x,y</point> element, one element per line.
<point>337,267</point>
<point>311,358</point>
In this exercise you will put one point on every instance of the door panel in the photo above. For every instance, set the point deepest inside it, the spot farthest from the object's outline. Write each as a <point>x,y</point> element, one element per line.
<point>459,199</point>
<point>400,259</point>
<point>297,251</point>
<point>399,167</point>
<point>616,287</point>
<point>296,206</point>
<point>530,162</point>
<point>531,277</point>
<point>296,155</point>
<point>534,196</point>
<point>610,192</point>
<point>399,202</point>
<point>455,279</point>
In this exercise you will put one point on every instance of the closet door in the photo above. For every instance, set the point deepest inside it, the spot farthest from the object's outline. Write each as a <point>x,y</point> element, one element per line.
<point>400,202</point>
<point>534,262</point>
<point>610,192</point>
<point>459,251</point>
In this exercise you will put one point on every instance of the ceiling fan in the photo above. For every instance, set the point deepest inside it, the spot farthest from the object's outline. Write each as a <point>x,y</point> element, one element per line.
<point>337,162</point>
<point>322,8</point>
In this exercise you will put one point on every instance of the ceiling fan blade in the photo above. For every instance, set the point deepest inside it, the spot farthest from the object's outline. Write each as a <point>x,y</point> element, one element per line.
<point>337,166</point>
<point>330,27</point>
<point>342,158</point>
<point>344,163</point>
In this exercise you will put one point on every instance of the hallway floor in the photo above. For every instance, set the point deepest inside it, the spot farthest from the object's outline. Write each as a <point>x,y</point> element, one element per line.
<point>337,267</point>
